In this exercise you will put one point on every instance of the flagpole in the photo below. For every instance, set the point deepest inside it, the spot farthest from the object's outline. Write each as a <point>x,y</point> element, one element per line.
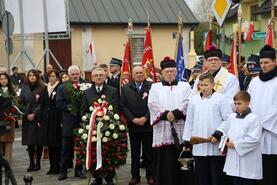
<point>150,31</point>
<point>272,21</point>
<point>239,34</point>
<point>180,28</point>
<point>130,32</point>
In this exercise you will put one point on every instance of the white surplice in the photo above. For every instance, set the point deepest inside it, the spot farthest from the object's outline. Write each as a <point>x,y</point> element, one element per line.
<point>204,117</point>
<point>225,83</point>
<point>264,105</point>
<point>167,98</point>
<point>245,160</point>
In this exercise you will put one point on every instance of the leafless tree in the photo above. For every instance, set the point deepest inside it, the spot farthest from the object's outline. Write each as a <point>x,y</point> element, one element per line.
<point>202,10</point>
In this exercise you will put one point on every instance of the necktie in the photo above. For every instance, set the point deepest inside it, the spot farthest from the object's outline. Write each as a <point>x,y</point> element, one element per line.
<point>98,89</point>
<point>138,87</point>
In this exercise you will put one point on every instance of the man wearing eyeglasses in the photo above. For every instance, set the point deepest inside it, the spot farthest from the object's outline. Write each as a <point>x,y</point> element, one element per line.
<point>96,91</point>
<point>225,82</point>
<point>99,88</point>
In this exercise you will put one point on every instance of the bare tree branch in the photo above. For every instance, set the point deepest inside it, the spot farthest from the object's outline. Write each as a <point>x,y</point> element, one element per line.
<point>202,10</point>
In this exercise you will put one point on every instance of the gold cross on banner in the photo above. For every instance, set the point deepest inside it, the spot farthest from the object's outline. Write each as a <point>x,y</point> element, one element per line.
<point>217,84</point>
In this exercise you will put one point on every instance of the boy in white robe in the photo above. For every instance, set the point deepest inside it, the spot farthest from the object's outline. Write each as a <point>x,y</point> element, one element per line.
<point>263,92</point>
<point>206,114</point>
<point>244,155</point>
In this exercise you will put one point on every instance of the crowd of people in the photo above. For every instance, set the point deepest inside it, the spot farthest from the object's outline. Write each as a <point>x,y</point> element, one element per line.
<point>162,118</point>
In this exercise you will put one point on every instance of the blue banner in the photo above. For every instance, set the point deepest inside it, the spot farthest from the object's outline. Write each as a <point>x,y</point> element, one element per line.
<point>180,65</point>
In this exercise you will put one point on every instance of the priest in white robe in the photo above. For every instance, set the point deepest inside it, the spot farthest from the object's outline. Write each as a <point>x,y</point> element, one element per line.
<point>225,82</point>
<point>263,91</point>
<point>167,104</point>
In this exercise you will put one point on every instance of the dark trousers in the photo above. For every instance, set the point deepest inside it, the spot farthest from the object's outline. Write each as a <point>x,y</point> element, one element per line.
<point>167,166</point>
<point>54,158</point>
<point>269,169</point>
<point>243,181</point>
<point>209,170</point>
<point>32,149</point>
<point>66,154</point>
<point>138,139</point>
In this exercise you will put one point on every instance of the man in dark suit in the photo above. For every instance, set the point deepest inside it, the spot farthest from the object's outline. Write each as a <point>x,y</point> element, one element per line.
<point>133,103</point>
<point>70,122</point>
<point>16,79</point>
<point>115,68</point>
<point>99,88</point>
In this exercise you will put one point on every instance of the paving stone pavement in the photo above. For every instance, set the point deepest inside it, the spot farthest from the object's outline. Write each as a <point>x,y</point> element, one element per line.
<point>20,163</point>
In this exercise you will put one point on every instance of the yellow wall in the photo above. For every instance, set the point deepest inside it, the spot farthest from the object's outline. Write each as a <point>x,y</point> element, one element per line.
<point>109,42</point>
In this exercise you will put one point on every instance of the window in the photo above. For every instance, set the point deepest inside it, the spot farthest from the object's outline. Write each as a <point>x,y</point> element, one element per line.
<point>137,48</point>
<point>253,8</point>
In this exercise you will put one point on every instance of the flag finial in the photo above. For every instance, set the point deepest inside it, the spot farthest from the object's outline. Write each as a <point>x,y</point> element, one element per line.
<point>240,13</point>
<point>130,25</point>
<point>210,18</point>
<point>148,19</point>
<point>180,22</point>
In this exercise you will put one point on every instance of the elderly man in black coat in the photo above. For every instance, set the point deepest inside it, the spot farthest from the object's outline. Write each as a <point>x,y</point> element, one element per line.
<point>70,122</point>
<point>99,88</point>
<point>133,103</point>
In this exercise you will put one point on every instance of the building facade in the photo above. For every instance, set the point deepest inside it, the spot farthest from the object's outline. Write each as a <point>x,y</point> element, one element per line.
<point>104,23</point>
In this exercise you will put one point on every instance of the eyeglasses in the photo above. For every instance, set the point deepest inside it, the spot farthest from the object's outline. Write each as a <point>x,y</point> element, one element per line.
<point>213,59</point>
<point>100,75</point>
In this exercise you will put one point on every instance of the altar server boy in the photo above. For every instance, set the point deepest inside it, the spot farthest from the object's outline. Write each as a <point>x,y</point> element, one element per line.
<point>244,154</point>
<point>206,115</point>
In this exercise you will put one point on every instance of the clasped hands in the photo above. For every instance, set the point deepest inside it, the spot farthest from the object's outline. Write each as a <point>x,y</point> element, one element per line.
<point>31,117</point>
<point>139,121</point>
<point>170,116</point>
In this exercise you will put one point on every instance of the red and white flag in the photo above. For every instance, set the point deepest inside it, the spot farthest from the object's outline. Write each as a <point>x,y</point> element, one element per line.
<point>248,31</point>
<point>125,70</point>
<point>269,34</point>
<point>92,53</point>
<point>233,57</point>
<point>208,41</point>
<point>147,58</point>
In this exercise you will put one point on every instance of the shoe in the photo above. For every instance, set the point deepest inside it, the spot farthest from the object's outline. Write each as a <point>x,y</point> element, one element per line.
<point>110,183</point>
<point>62,176</point>
<point>50,172</point>
<point>37,167</point>
<point>134,181</point>
<point>31,168</point>
<point>97,181</point>
<point>80,174</point>
<point>150,181</point>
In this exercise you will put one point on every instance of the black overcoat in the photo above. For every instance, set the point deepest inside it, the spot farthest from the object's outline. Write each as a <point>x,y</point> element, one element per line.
<point>91,95</point>
<point>52,119</point>
<point>32,103</point>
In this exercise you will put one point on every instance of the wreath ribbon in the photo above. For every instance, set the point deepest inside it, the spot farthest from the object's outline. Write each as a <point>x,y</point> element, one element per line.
<point>102,109</point>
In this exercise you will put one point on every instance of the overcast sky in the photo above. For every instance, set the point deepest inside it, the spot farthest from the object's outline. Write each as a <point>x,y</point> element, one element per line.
<point>191,3</point>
